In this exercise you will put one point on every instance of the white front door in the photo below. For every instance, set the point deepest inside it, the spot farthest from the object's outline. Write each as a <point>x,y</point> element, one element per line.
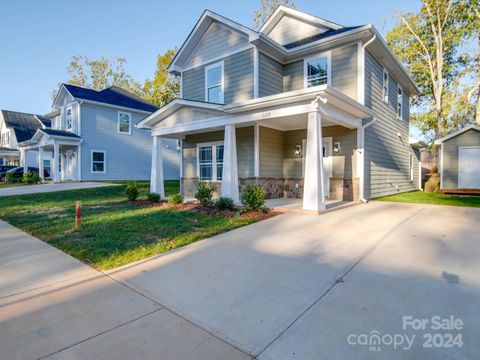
<point>469,167</point>
<point>327,161</point>
<point>68,165</point>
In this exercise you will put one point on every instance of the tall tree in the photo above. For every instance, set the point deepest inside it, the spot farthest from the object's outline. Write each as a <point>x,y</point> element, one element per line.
<point>164,87</point>
<point>428,43</point>
<point>267,7</point>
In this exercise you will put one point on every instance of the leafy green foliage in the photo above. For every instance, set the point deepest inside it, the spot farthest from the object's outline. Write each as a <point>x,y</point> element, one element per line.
<point>204,194</point>
<point>11,178</point>
<point>225,203</point>
<point>253,197</point>
<point>30,178</point>
<point>131,190</point>
<point>153,197</point>
<point>267,7</point>
<point>175,199</point>
<point>113,232</point>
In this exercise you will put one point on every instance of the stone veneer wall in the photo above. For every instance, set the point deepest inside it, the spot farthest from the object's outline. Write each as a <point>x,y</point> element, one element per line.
<point>340,189</point>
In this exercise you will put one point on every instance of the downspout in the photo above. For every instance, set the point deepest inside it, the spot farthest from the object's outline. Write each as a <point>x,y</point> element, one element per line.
<point>374,118</point>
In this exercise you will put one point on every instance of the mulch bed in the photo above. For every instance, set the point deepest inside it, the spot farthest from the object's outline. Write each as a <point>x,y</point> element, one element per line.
<point>211,211</point>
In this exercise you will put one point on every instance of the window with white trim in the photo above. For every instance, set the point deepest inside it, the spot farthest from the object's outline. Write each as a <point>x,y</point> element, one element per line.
<point>210,161</point>
<point>98,161</point>
<point>399,102</point>
<point>317,70</point>
<point>68,118</point>
<point>385,86</point>
<point>214,83</point>
<point>124,122</point>
<point>5,139</point>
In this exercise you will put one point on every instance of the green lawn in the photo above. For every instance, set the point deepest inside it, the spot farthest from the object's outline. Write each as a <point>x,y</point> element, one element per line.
<point>114,232</point>
<point>434,198</point>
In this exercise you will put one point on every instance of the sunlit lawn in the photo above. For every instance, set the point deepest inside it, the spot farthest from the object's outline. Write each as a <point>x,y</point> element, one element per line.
<point>114,232</point>
<point>434,198</point>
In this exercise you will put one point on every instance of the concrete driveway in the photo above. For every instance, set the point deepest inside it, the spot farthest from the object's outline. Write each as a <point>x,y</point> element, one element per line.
<point>50,187</point>
<point>292,287</point>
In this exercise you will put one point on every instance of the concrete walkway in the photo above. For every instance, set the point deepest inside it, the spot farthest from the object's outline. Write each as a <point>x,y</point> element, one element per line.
<point>50,187</point>
<point>291,287</point>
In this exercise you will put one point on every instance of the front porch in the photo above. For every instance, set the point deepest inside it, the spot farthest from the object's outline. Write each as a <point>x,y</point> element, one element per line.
<point>9,156</point>
<point>307,145</point>
<point>64,154</point>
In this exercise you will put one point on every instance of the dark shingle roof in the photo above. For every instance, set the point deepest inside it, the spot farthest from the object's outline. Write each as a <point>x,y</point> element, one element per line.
<point>113,96</point>
<point>24,125</point>
<point>60,133</point>
<point>45,121</point>
<point>324,35</point>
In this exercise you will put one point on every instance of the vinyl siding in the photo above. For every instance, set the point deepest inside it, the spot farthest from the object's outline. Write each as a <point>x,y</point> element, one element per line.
<point>271,152</point>
<point>450,156</point>
<point>386,153</point>
<point>341,161</point>
<point>245,151</point>
<point>238,79</point>
<point>270,76</point>
<point>293,76</point>
<point>127,156</point>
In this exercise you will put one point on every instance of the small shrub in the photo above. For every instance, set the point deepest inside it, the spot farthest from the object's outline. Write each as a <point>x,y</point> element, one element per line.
<point>204,194</point>
<point>11,178</point>
<point>175,199</point>
<point>225,203</point>
<point>153,197</point>
<point>132,191</point>
<point>253,197</point>
<point>30,178</point>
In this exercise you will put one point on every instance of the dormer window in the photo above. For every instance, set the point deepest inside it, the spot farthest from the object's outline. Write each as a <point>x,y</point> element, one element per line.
<point>317,70</point>
<point>399,102</point>
<point>214,83</point>
<point>5,139</point>
<point>68,119</point>
<point>124,122</point>
<point>385,86</point>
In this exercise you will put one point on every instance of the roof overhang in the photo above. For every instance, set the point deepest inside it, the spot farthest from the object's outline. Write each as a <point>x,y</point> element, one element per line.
<point>53,137</point>
<point>475,127</point>
<point>9,152</point>
<point>417,144</point>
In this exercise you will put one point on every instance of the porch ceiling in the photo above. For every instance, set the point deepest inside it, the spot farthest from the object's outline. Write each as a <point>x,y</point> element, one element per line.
<point>293,122</point>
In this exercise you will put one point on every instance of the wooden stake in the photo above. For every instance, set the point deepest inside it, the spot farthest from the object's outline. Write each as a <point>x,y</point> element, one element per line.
<point>78,214</point>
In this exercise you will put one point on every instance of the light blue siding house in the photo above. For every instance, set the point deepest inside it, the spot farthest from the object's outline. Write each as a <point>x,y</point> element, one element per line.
<point>304,107</point>
<point>93,137</point>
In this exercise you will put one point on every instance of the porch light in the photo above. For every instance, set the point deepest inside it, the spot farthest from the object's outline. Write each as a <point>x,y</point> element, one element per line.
<point>337,147</point>
<point>298,150</point>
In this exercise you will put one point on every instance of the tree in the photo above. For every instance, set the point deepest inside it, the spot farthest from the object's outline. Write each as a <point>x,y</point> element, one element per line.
<point>267,7</point>
<point>164,87</point>
<point>428,43</point>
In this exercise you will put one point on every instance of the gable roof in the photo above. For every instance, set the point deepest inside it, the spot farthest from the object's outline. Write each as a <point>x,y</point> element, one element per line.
<point>475,127</point>
<point>112,95</point>
<point>24,125</point>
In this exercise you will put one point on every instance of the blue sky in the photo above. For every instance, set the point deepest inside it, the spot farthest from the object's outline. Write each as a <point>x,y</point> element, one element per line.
<point>38,38</point>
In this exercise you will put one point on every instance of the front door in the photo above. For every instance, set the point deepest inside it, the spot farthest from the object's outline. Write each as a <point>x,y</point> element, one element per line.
<point>327,162</point>
<point>469,167</point>
<point>68,162</point>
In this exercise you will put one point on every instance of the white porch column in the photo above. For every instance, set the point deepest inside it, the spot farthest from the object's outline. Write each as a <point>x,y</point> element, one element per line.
<point>40,164</point>
<point>156,179</point>
<point>313,191</point>
<point>23,161</point>
<point>361,162</point>
<point>54,167</point>
<point>230,170</point>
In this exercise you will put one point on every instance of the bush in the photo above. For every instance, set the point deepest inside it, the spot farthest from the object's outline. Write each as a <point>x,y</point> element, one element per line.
<point>175,199</point>
<point>30,178</point>
<point>204,194</point>
<point>225,203</point>
<point>253,197</point>
<point>132,191</point>
<point>11,178</point>
<point>153,197</point>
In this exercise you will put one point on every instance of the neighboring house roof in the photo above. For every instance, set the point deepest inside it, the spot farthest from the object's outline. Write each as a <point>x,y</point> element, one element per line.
<point>24,125</point>
<point>475,127</point>
<point>112,95</point>
<point>418,144</point>
<point>5,149</point>
<point>321,36</point>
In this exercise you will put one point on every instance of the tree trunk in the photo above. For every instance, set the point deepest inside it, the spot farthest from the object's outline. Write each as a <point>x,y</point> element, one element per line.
<point>477,111</point>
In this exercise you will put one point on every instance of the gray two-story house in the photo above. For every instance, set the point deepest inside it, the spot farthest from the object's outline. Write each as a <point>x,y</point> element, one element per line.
<point>93,137</point>
<point>305,107</point>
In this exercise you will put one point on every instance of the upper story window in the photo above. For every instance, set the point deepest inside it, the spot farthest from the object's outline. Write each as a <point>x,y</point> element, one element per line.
<point>210,161</point>
<point>214,83</point>
<point>317,70</point>
<point>124,122</point>
<point>5,139</point>
<point>385,86</point>
<point>68,119</point>
<point>399,102</point>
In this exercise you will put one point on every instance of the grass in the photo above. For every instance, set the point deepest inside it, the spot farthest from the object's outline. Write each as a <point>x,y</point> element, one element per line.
<point>114,232</point>
<point>420,197</point>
